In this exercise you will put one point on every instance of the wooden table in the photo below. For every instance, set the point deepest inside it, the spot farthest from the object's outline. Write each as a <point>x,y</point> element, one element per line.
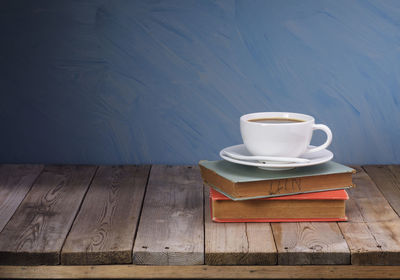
<point>154,222</point>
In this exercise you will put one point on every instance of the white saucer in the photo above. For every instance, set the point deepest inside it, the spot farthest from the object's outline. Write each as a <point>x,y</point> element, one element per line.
<point>315,159</point>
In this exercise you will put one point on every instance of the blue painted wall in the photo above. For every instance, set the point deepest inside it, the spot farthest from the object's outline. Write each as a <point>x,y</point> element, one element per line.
<point>166,81</point>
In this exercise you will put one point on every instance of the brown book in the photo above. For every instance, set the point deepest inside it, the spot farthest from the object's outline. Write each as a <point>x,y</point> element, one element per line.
<point>239,182</point>
<point>320,206</point>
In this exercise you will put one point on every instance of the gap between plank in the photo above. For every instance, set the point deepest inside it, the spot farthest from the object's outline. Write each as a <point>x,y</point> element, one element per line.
<point>376,184</point>
<point>30,187</point>
<point>379,189</point>
<point>140,211</point>
<point>273,237</point>
<point>76,214</point>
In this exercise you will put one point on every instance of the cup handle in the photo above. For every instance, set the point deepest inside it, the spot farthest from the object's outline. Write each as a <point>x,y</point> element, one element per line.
<point>328,138</point>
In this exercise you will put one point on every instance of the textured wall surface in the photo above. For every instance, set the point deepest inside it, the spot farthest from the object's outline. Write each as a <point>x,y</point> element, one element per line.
<point>166,81</point>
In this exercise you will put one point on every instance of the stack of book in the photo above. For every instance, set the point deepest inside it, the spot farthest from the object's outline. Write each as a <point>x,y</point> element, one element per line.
<point>241,193</point>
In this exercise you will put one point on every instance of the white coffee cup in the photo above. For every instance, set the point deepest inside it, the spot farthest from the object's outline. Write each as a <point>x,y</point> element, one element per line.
<point>283,139</point>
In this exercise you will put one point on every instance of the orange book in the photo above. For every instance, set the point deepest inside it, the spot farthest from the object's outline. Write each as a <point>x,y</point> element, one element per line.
<point>308,207</point>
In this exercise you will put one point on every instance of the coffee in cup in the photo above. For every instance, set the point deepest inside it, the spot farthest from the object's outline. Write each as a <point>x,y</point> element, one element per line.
<point>280,134</point>
<point>275,120</point>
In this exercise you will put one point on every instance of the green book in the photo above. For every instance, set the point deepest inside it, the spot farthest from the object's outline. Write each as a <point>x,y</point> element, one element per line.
<point>240,182</point>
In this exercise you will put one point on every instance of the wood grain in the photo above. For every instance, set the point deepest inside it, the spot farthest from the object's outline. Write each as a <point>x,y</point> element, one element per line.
<point>364,248</point>
<point>387,179</point>
<point>171,225</point>
<point>15,182</point>
<point>387,235</point>
<point>38,228</point>
<point>310,243</point>
<point>375,243</point>
<point>372,204</point>
<point>237,243</point>
<point>171,230</point>
<point>372,229</point>
<point>201,272</point>
<point>104,229</point>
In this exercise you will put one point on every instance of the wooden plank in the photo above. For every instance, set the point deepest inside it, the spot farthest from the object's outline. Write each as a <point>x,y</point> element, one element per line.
<point>372,204</point>
<point>353,213</point>
<point>104,229</point>
<point>387,179</point>
<point>364,248</point>
<point>200,272</point>
<point>237,243</point>
<point>15,182</point>
<point>387,235</point>
<point>372,229</point>
<point>37,230</point>
<point>366,203</point>
<point>171,225</point>
<point>310,243</point>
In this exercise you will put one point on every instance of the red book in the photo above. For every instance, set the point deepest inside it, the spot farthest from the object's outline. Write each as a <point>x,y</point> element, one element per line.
<point>325,206</point>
